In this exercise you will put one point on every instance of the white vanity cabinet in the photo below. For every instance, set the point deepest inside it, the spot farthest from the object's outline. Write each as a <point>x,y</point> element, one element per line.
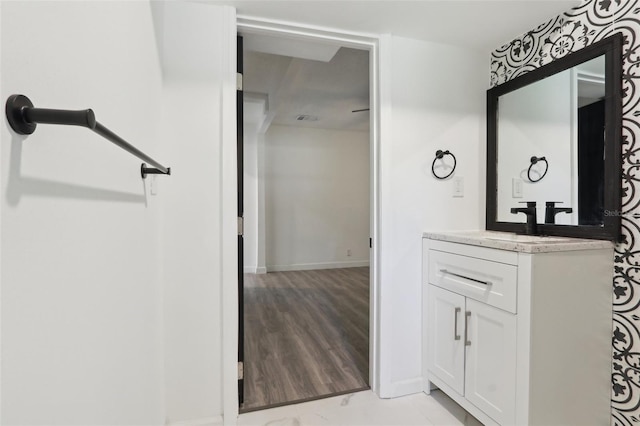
<point>519,334</point>
<point>472,350</point>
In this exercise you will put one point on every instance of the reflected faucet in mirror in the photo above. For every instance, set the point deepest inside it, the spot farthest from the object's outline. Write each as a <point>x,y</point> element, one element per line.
<point>551,211</point>
<point>531,227</point>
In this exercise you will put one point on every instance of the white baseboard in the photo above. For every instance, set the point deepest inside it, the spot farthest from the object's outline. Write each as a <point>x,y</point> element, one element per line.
<point>311,266</point>
<point>208,421</point>
<point>254,270</point>
<point>402,388</point>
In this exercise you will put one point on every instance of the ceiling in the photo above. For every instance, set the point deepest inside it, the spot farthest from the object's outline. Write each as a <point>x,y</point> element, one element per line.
<point>479,24</point>
<point>285,78</point>
<point>325,92</point>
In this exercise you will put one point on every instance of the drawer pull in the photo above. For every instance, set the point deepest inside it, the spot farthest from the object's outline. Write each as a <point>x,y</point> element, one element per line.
<point>456,336</point>
<point>467,315</point>
<point>444,271</point>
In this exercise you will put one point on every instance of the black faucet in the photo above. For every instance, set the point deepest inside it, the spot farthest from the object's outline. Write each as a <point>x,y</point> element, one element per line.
<point>531,227</point>
<point>551,211</point>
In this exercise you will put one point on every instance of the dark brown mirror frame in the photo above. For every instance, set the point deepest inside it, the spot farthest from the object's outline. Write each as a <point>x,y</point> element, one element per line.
<point>611,47</point>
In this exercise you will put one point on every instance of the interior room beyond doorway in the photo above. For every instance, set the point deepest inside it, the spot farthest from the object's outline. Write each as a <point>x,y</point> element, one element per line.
<point>307,222</point>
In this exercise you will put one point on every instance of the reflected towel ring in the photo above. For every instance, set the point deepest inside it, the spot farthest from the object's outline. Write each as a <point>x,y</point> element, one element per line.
<point>439,155</point>
<point>535,160</point>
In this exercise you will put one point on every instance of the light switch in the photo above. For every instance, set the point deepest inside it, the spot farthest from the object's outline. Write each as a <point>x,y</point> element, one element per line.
<point>516,188</point>
<point>458,186</point>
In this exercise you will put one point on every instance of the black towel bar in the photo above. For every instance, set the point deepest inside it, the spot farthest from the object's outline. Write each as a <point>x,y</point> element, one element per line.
<point>23,117</point>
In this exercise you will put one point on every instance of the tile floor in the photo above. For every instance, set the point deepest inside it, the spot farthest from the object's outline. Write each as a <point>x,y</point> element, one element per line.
<point>366,409</point>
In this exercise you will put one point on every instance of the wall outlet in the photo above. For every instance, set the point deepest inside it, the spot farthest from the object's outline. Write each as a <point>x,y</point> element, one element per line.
<point>516,188</point>
<point>458,186</point>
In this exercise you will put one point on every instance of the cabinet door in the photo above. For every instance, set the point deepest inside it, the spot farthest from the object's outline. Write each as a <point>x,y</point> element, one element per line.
<point>490,375</point>
<point>445,342</point>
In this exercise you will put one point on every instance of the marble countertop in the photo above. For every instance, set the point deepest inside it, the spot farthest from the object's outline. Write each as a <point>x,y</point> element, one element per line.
<point>520,243</point>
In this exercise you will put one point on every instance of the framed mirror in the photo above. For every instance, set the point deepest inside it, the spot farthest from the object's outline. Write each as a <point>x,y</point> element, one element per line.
<point>554,138</point>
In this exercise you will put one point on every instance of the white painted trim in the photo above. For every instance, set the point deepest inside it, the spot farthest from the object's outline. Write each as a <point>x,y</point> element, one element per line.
<point>229,319</point>
<point>250,270</point>
<point>374,223</point>
<point>261,270</point>
<point>257,25</point>
<point>312,266</point>
<point>208,421</point>
<point>383,273</point>
<point>406,387</point>
<point>229,222</point>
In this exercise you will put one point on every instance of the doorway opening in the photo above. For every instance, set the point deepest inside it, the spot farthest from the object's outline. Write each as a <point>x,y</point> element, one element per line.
<point>307,207</point>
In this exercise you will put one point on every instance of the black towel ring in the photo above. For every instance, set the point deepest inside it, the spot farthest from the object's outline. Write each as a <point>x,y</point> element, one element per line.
<point>439,155</point>
<point>534,160</point>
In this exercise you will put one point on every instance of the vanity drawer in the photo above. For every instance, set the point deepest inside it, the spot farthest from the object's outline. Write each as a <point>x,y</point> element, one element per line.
<point>489,282</point>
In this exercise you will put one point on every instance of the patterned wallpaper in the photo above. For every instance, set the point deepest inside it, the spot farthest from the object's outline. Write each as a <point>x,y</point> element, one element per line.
<point>592,21</point>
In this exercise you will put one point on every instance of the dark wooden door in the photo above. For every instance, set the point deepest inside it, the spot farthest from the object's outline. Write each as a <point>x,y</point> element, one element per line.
<point>591,164</point>
<point>240,142</point>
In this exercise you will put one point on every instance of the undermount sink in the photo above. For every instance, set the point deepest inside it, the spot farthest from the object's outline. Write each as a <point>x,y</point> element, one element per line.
<point>533,239</point>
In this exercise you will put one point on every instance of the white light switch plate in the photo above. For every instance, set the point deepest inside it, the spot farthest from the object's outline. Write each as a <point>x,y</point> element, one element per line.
<point>458,186</point>
<point>516,188</point>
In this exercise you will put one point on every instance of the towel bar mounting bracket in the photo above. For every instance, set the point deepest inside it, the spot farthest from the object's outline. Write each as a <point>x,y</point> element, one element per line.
<point>144,171</point>
<point>15,114</point>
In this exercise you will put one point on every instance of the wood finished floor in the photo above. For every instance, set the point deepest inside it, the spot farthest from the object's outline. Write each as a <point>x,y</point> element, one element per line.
<point>306,335</point>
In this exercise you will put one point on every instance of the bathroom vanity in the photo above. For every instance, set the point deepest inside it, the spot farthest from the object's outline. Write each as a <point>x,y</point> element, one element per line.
<point>517,329</point>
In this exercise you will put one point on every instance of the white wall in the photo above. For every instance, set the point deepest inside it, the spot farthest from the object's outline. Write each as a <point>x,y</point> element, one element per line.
<point>92,266</point>
<point>316,198</point>
<point>537,120</point>
<point>251,211</point>
<point>81,292</point>
<point>254,203</point>
<point>192,255</point>
<point>196,48</point>
<point>253,197</point>
<point>435,97</point>
<point>112,299</point>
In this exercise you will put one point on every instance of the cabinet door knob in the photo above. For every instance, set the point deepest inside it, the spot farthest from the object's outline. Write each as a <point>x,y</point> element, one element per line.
<point>467,315</point>
<point>456,336</point>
